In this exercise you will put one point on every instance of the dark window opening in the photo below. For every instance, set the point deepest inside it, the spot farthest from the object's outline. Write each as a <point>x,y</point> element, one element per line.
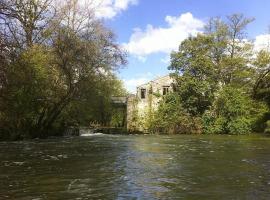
<point>174,87</point>
<point>143,93</point>
<point>165,90</point>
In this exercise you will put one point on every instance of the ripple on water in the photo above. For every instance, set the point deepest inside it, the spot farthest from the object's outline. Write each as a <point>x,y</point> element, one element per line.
<point>139,167</point>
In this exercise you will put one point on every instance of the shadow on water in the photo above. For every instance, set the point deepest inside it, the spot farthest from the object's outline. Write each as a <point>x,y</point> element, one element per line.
<point>137,167</point>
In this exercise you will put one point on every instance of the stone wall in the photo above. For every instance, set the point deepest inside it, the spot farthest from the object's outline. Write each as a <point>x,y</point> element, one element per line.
<point>131,115</point>
<point>141,106</point>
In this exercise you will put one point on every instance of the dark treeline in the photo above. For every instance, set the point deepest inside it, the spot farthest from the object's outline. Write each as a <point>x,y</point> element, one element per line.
<point>222,84</point>
<point>57,66</point>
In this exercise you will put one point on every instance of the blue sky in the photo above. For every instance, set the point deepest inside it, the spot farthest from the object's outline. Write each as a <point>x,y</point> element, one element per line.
<point>150,29</point>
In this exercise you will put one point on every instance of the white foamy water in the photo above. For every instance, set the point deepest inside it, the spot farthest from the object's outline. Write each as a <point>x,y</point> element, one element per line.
<point>90,134</point>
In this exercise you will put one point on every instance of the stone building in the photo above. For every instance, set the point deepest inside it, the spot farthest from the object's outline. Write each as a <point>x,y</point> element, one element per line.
<point>141,106</point>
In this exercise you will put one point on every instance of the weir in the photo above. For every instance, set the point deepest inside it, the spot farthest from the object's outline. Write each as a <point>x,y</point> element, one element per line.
<point>119,104</point>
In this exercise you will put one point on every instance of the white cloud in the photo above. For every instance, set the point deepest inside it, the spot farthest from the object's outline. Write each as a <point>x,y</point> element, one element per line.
<point>262,42</point>
<point>142,58</point>
<point>108,9</point>
<point>166,60</point>
<point>139,79</point>
<point>160,39</point>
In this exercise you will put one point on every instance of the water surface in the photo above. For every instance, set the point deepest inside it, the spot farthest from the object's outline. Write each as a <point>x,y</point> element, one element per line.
<point>136,167</point>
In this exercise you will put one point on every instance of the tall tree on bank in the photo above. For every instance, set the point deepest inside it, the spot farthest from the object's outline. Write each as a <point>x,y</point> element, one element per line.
<point>215,74</point>
<point>211,60</point>
<point>194,73</point>
<point>24,22</point>
<point>61,56</point>
<point>261,89</point>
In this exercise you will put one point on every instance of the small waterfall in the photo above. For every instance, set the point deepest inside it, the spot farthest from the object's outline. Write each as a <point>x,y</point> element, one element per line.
<point>80,131</point>
<point>85,131</point>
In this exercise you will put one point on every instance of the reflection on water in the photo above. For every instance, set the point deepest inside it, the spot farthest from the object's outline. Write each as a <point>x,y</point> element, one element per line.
<point>136,167</point>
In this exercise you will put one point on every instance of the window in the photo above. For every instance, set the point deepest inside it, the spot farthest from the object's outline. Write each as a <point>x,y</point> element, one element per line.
<point>174,87</point>
<point>165,90</point>
<point>143,93</point>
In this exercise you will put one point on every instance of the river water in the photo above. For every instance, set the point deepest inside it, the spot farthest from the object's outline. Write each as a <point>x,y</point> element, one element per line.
<point>136,167</point>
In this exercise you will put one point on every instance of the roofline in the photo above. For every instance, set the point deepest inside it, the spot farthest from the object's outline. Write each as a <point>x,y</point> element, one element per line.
<point>153,80</point>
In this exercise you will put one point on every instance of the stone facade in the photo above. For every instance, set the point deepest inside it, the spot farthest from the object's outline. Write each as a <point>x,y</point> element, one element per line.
<point>146,100</point>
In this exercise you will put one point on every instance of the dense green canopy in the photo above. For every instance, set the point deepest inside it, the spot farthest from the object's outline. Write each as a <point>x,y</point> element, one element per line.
<point>57,68</point>
<point>222,83</point>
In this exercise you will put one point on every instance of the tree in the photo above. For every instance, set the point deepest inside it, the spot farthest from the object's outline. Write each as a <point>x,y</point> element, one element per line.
<point>207,62</point>
<point>25,21</point>
<point>214,74</point>
<point>234,112</point>
<point>261,89</point>
<point>172,118</point>
<point>31,81</point>
<point>194,72</point>
<point>59,59</point>
<point>231,51</point>
<point>84,49</point>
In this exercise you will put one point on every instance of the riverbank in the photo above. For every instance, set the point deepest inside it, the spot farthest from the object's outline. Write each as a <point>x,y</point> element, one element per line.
<point>76,131</point>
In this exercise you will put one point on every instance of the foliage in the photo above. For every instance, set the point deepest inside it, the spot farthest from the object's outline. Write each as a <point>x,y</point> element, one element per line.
<point>233,112</point>
<point>267,129</point>
<point>261,89</point>
<point>194,74</point>
<point>171,117</point>
<point>57,68</point>
<point>220,82</point>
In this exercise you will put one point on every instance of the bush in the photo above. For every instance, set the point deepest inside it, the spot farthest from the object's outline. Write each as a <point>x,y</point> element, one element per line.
<point>213,125</point>
<point>172,118</point>
<point>267,129</point>
<point>240,125</point>
<point>233,112</point>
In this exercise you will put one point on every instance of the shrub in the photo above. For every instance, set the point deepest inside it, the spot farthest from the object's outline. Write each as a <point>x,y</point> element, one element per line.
<point>213,125</point>
<point>233,112</point>
<point>172,118</point>
<point>241,125</point>
<point>267,129</point>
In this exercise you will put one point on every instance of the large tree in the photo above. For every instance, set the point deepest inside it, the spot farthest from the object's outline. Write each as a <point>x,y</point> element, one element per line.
<point>206,62</point>
<point>60,56</point>
<point>194,72</point>
<point>216,75</point>
<point>261,89</point>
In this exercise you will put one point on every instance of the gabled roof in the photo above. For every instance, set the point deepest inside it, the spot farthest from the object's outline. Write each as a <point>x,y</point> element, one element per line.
<point>154,80</point>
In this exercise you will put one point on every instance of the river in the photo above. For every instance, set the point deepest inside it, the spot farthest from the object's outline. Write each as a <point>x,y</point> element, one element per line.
<point>136,167</point>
